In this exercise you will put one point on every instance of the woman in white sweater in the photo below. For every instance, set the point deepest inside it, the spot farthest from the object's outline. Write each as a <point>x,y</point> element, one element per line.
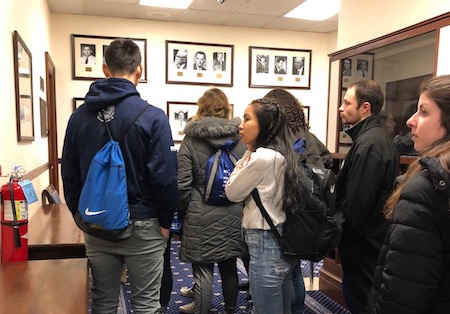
<point>269,165</point>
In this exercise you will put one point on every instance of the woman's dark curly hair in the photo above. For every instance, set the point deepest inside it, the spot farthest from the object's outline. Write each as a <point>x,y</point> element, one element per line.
<point>292,108</point>
<point>274,134</point>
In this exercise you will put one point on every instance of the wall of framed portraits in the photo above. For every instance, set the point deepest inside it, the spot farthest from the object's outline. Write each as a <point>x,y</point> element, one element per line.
<point>172,53</point>
<point>398,62</point>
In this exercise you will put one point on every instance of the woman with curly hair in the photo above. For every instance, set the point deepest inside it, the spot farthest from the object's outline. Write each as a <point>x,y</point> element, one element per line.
<point>316,153</point>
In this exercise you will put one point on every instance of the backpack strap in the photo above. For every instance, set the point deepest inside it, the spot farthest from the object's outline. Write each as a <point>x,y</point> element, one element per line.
<point>212,174</point>
<point>227,147</point>
<point>129,126</point>
<point>106,125</point>
<point>266,216</point>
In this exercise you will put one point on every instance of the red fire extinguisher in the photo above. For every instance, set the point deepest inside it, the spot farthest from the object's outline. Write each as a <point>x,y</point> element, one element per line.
<point>14,222</point>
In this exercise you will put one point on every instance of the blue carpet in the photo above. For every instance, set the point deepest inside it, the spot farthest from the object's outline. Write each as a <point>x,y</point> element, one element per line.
<point>315,301</point>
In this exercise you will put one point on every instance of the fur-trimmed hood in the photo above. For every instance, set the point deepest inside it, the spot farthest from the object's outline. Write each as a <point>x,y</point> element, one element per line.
<point>216,131</point>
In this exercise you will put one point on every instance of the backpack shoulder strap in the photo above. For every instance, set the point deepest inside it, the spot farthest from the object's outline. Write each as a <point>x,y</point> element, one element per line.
<point>134,121</point>
<point>106,125</point>
<point>212,174</point>
<point>266,216</point>
<point>128,127</point>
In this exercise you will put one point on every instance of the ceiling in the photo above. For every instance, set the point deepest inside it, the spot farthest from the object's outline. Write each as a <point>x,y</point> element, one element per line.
<point>265,14</point>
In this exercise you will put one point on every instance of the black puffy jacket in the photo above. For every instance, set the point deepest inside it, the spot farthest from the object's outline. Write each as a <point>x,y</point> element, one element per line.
<point>413,272</point>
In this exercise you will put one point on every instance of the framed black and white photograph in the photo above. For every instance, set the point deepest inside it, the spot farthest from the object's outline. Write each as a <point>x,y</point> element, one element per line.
<point>88,56</point>
<point>306,113</point>
<point>23,75</point>
<point>199,63</point>
<point>179,113</point>
<point>356,68</point>
<point>77,102</point>
<point>275,67</point>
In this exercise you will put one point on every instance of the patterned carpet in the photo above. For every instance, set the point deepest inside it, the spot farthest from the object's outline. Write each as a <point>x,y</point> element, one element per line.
<point>315,301</point>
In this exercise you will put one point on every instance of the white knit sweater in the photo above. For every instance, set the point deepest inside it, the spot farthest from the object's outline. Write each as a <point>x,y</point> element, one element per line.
<point>258,170</point>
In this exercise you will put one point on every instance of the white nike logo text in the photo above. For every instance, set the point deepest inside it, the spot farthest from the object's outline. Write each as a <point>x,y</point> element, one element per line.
<point>88,213</point>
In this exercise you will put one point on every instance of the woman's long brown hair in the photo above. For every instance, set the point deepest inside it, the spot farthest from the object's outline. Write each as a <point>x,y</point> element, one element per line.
<point>438,89</point>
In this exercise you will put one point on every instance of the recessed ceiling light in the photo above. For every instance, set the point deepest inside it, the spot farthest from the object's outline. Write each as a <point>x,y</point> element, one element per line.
<point>172,4</point>
<point>316,10</point>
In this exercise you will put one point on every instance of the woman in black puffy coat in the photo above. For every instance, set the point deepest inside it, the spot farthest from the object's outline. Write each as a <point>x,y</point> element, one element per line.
<point>413,272</point>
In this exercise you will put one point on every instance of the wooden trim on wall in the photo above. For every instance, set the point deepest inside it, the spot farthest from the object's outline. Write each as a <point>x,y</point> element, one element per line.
<point>433,24</point>
<point>32,174</point>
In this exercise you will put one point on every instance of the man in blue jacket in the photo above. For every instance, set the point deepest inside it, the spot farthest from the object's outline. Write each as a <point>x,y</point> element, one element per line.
<point>363,183</point>
<point>151,166</point>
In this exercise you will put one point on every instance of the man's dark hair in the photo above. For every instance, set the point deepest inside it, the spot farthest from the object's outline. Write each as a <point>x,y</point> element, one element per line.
<point>201,53</point>
<point>123,56</point>
<point>369,91</point>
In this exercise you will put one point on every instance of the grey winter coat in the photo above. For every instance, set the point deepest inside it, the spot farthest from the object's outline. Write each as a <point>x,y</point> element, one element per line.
<point>210,233</point>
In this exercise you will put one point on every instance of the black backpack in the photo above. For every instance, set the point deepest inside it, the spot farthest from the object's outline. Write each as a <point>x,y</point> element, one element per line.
<point>310,231</point>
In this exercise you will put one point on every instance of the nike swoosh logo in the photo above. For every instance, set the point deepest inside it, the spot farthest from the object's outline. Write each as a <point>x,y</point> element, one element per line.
<point>88,213</point>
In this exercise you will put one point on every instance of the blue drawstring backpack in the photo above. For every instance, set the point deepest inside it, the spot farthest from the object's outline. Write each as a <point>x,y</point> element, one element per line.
<point>218,169</point>
<point>104,198</point>
<point>103,203</point>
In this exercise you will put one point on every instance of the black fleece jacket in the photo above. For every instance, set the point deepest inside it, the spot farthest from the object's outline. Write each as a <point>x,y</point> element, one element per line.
<point>365,179</point>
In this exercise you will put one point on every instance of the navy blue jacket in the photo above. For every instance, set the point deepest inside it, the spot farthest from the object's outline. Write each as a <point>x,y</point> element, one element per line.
<point>146,144</point>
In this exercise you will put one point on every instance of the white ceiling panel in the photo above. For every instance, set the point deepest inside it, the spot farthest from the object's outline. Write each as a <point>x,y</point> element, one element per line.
<point>247,20</point>
<point>264,7</point>
<point>204,17</point>
<point>112,9</point>
<point>214,5</point>
<point>266,14</point>
<point>67,6</point>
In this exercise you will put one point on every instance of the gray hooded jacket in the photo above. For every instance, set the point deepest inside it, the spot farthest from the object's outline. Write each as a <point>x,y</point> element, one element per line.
<point>210,233</point>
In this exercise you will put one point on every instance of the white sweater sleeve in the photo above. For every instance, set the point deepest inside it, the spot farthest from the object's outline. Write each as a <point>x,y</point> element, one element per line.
<point>248,173</point>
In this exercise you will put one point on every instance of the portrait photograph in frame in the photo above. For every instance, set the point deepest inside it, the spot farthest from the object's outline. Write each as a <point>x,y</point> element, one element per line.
<point>23,75</point>
<point>88,55</point>
<point>306,113</point>
<point>356,68</point>
<point>179,113</point>
<point>199,63</point>
<point>77,102</point>
<point>275,67</point>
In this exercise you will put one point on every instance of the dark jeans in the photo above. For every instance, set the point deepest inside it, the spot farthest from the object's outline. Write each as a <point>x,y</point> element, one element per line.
<point>358,259</point>
<point>298,299</point>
